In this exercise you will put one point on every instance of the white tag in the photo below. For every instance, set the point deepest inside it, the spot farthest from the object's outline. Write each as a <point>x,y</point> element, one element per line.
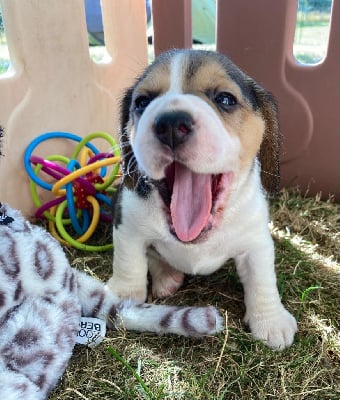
<point>91,331</point>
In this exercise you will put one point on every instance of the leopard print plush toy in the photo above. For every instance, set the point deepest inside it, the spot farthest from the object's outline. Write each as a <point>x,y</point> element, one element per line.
<point>42,299</point>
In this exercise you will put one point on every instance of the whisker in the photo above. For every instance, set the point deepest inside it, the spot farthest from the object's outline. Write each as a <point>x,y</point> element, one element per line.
<point>130,155</point>
<point>270,173</point>
<point>124,144</point>
<point>131,167</point>
<point>142,180</point>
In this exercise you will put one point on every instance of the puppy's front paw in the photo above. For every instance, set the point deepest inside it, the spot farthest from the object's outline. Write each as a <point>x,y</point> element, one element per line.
<point>166,283</point>
<point>136,292</point>
<point>276,331</point>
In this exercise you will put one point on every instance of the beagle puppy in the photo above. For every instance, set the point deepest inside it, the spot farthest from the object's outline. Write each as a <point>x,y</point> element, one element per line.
<point>200,148</point>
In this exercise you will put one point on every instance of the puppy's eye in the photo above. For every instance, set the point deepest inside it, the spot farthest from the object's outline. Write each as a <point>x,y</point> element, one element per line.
<point>225,100</point>
<point>141,103</point>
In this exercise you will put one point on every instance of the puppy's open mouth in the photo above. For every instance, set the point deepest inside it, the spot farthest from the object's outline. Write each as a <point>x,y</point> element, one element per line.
<point>193,200</point>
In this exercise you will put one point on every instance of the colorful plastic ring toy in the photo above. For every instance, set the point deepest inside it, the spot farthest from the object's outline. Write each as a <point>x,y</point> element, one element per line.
<point>80,186</point>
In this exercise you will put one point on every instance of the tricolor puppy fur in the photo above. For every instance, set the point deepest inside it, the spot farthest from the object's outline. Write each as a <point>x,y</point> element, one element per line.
<point>200,145</point>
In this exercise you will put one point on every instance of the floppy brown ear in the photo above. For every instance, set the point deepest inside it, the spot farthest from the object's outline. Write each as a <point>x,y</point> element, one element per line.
<point>124,138</point>
<point>125,108</point>
<point>269,154</point>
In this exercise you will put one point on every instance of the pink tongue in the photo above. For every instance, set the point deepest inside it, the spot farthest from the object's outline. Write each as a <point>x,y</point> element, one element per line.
<point>191,202</point>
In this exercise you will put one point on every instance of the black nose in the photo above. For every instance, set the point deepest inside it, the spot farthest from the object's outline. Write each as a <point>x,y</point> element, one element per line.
<point>173,128</point>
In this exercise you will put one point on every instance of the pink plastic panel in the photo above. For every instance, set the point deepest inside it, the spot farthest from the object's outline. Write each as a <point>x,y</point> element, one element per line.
<point>258,36</point>
<point>172,24</point>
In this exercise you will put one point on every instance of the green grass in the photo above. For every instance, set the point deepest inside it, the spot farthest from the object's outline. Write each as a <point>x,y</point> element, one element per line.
<point>129,365</point>
<point>311,37</point>
<point>310,42</point>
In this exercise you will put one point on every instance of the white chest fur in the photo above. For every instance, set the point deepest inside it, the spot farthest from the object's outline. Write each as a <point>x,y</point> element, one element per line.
<point>244,224</point>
